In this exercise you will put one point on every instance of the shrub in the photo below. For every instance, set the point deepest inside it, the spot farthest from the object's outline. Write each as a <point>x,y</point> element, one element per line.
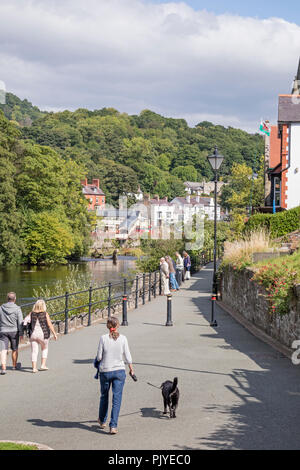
<point>278,277</point>
<point>278,224</point>
<point>239,252</point>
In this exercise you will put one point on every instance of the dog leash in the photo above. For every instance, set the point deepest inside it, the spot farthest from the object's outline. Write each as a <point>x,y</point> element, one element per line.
<point>148,383</point>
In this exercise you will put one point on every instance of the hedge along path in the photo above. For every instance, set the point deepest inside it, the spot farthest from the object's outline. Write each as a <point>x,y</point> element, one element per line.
<point>279,224</point>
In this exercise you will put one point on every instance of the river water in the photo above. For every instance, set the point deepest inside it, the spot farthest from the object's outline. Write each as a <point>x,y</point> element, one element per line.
<point>25,279</point>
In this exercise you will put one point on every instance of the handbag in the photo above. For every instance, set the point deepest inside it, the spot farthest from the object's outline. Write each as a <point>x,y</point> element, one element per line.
<point>27,327</point>
<point>96,365</point>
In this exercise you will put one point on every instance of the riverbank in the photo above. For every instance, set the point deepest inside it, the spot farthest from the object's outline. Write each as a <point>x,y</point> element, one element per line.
<point>24,280</point>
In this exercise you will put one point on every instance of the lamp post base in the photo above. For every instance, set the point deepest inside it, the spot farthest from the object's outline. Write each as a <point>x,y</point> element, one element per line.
<point>214,323</point>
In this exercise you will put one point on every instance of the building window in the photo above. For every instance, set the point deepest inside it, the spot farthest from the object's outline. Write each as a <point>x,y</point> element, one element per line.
<point>277,191</point>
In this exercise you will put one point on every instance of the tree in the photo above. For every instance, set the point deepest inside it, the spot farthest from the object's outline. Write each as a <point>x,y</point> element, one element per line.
<point>185,173</point>
<point>47,238</point>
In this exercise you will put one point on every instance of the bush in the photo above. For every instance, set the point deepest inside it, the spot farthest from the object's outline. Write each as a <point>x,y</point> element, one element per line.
<point>278,277</point>
<point>239,253</point>
<point>278,224</point>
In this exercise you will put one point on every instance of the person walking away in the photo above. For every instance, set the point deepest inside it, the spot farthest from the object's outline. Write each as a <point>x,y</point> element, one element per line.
<point>11,331</point>
<point>112,348</point>
<point>187,265</point>
<point>164,270</point>
<point>173,282</point>
<point>40,328</point>
<point>179,268</point>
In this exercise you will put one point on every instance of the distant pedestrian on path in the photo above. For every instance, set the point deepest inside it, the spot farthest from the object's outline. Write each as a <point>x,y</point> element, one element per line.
<point>40,328</point>
<point>112,348</point>
<point>187,265</point>
<point>179,268</point>
<point>11,331</point>
<point>164,271</point>
<point>173,282</point>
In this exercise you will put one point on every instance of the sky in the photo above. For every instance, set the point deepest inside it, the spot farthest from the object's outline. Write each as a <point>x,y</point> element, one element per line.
<point>225,62</point>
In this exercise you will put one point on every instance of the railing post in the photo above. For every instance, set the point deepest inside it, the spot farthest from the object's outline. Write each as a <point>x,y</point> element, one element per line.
<point>66,313</point>
<point>169,310</point>
<point>124,308</point>
<point>144,281</point>
<point>109,300</point>
<point>154,290</point>
<point>160,285</point>
<point>90,305</point>
<point>136,291</point>
<point>149,293</point>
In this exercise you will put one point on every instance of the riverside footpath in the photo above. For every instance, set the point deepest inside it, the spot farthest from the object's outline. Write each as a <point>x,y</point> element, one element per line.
<point>236,392</point>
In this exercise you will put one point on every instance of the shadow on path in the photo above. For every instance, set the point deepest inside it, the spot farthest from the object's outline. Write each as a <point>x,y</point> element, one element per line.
<point>152,413</point>
<point>67,425</point>
<point>265,413</point>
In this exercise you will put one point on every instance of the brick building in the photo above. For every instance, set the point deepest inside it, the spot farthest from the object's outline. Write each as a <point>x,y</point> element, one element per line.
<point>93,194</point>
<point>282,153</point>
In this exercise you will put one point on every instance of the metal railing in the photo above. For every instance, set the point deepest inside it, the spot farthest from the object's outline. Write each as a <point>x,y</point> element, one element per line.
<point>109,299</point>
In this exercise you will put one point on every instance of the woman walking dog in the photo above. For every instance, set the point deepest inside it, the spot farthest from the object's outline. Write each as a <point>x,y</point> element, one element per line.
<point>111,350</point>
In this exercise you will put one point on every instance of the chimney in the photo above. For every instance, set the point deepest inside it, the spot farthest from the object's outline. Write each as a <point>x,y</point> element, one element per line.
<point>95,182</point>
<point>84,182</point>
<point>198,196</point>
<point>165,198</point>
<point>188,198</point>
<point>156,197</point>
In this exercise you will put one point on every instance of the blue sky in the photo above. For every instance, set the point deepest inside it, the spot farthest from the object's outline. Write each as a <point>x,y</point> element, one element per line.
<point>173,58</point>
<point>288,9</point>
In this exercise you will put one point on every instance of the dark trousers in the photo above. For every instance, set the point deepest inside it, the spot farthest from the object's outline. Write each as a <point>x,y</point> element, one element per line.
<point>179,276</point>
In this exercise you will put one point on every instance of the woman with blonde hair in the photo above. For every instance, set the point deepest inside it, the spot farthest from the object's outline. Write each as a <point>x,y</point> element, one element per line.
<point>112,348</point>
<point>40,328</point>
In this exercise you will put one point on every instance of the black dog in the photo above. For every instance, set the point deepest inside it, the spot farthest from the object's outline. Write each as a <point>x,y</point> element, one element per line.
<point>170,395</point>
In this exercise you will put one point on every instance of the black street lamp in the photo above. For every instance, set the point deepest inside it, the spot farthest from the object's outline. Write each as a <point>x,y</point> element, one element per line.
<point>215,161</point>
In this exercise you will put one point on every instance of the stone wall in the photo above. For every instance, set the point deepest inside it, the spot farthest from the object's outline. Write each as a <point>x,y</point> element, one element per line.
<point>249,300</point>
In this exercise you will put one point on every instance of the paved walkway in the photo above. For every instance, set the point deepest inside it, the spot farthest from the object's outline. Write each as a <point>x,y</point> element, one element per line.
<point>236,392</point>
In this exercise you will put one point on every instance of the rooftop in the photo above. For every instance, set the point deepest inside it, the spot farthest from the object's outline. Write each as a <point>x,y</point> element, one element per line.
<point>289,108</point>
<point>92,190</point>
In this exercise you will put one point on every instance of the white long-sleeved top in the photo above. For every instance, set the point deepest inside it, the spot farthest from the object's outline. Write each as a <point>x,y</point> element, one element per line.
<point>111,353</point>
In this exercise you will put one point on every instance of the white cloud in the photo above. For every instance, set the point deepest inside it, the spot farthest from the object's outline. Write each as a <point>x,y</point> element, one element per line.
<point>130,55</point>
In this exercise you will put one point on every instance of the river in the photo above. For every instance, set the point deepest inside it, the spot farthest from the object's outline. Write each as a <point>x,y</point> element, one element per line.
<point>25,279</point>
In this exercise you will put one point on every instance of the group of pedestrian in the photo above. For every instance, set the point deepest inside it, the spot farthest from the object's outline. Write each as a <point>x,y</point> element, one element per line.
<point>173,273</point>
<point>12,326</point>
<point>112,350</point>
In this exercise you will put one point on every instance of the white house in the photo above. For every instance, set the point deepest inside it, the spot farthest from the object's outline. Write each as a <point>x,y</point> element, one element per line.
<point>189,206</point>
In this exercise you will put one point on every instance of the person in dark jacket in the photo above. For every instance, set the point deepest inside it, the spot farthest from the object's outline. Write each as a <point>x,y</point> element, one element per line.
<point>187,265</point>
<point>11,331</point>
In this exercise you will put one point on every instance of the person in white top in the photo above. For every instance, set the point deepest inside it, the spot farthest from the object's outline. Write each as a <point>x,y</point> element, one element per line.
<point>164,269</point>
<point>112,350</point>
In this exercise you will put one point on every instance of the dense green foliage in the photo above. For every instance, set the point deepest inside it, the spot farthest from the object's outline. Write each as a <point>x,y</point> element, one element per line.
<point>21,112</point>
<point>279,276</point>
<point>278,224</point>
<point>157,153</point>
<point>43,216</point>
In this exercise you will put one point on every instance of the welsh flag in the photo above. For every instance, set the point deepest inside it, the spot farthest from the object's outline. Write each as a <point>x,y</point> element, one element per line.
<point>264,128</point>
